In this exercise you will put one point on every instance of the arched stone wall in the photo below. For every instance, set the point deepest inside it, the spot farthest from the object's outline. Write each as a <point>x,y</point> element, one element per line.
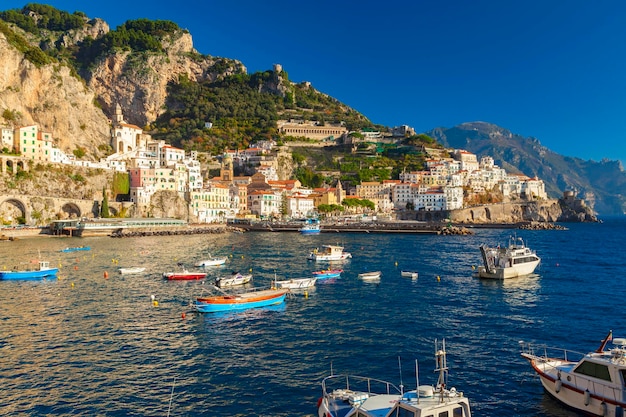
<point>71,211</point>
<point>11,209</point>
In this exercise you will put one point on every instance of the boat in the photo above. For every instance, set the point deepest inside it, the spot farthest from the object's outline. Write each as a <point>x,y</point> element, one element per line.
<point>329,253</point>
<point>211,262</point>
<point>240,301</point>
<point>184,275</point>
<point>42,271</point>
<point>358,396</point>
<point>232,280</point>
<point>312,227</point>
<point>409,274</point>
<point>370,276</point>
<point>512,261</point>
<point>327,273</point>
<point>593,383</point>
<point>76,249</point>
<point>131,270</point>
<point>296,284</point>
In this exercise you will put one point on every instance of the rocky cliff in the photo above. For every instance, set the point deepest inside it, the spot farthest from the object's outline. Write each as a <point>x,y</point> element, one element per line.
<point>50,96</point>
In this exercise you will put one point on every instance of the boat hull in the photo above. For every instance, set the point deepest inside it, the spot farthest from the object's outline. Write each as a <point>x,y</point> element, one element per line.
<point>128,271</point>
<point>240,302</point>
<point>510,272</point>
<point>296,284</point>
<point>28,275</point>
<point>183,276</point>
<point>233,281</point>
<point>333,273</point>
<point>370,275</point>
<point>211,262</point>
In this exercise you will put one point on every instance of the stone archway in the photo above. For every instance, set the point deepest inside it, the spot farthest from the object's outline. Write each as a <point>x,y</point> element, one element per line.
<point>71,211</point>
<point>12,212</point>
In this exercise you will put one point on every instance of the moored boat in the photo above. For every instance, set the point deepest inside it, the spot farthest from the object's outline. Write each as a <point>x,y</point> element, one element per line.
<point>593,383</point>
<point>131,270</point>
<point>512,261</point>
<point>42,271</point>
<point>357,396</point>
<point>370,276</point>
<point>240,301</point>
<point>76,249</point>
<point>296,284</point>
<point>232,280</point>
<point>312,227</point>
<point>329,253</point>
<point>409,274</point>
<point>327,273</point>
<point>184,275</point>
<point>211,262</point>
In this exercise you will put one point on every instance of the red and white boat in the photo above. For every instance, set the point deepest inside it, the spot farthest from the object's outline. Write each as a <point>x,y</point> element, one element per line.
<point>184,275</point>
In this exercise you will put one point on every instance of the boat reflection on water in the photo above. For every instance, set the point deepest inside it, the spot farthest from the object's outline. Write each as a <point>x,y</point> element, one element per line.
<point>235,315</point>
<point>517,291</point>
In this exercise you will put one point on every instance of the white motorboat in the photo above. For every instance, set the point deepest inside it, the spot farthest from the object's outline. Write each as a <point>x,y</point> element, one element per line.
<point>212,262</point>
<point>357,396</point>
<point>131,270</point>
<point>296,284</point>
<point>409,274</point>
<point>329,253</point>
<point>370,276</point>
<point>232,280</point>
<point>512,261</point>
<point>593,383</point>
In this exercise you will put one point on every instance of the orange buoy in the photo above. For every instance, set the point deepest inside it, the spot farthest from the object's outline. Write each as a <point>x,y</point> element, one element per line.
<point>183,315</point>
<point>106,274</point>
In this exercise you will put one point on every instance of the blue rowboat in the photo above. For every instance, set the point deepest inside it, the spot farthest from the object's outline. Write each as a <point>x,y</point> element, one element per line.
<point>76,249</point>
<point>327,273</point>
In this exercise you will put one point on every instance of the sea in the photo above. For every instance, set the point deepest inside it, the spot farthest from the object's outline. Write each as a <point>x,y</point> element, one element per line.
<point>94,342</point>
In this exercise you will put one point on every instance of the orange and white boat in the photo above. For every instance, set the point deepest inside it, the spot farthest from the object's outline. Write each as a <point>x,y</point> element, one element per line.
<point>240,301</point>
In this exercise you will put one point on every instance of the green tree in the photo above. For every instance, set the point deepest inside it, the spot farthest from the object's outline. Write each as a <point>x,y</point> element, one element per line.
<point>104,210</point>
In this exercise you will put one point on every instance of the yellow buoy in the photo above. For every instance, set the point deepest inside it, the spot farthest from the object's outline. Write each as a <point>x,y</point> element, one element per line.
<point>72,285</point>
<point>306,294</point>
<point>396,263</point>
<point>438,278</point>
<point>155,303</point>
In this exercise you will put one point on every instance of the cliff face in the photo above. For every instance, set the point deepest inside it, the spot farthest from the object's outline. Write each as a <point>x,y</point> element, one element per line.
<point>138,81</point>
<point>52,98</point>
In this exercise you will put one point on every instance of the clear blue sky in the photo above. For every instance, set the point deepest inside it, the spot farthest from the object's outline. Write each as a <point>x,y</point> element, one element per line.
<point>554,70</point>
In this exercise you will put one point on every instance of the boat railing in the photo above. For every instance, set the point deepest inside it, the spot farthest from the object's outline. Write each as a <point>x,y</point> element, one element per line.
<point>545,353</point>
<point>356,383</point>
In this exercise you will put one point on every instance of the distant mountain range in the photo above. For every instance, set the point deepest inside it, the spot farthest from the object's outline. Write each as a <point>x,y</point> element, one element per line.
<point>602,184</point>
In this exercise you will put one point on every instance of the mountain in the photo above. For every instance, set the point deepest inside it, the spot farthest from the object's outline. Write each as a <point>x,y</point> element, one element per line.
<point>602,184</point>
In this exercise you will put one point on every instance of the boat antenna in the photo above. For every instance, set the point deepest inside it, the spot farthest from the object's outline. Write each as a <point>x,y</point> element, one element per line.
<point>417,381</point>
<point>169,407</point>
<point>400,369</point>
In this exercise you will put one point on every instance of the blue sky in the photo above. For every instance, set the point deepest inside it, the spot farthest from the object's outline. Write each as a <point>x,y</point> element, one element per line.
<point>553,70</point>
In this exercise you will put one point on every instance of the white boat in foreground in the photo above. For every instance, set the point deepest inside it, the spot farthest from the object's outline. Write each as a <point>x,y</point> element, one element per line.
<point>357,396</point>
<point>329,253</point>
<point>131,270</point>
<point>370,276</point>
<point>508,262</point>
<point>296,284</point>
<point>593,383</point>
<point>234,279</point>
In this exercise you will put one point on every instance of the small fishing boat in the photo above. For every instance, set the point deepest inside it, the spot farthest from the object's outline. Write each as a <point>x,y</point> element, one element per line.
<point>512,261</point>
<point>358,396</point>
<point>131,270</point>
<point>592,383</point>
<point>327,273</point>
<point>312,227</point>
<point>42,271</point>
<point>76,249</point>
<point>212,262</point>
<point>184,275</point>
<point>232,280</point>
<point>329,253</point>
<point>370,276</point>
<point>409,274</point>
<point>240,301</point>
<point>296,284</point>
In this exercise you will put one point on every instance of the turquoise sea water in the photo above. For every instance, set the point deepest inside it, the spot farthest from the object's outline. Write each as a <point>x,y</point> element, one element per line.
<point>87,344</point>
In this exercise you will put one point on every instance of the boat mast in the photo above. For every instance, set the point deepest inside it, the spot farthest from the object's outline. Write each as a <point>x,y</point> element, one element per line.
<point>605,341</point>
<point>442,366</point>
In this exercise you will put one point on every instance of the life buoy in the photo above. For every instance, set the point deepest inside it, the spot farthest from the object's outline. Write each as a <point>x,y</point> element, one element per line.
<point>587,397</point>
<point>557,385</point>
